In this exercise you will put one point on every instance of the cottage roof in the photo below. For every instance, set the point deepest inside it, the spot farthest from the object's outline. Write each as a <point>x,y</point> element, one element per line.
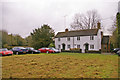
<point>86,32</point>
<point>105,40</point>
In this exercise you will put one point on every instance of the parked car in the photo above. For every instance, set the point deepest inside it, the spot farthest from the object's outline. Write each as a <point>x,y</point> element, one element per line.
<point>32,50</point>
<point>116,49</point>
<point>55,50</point>
<point>46,50</point>
<point>5,51</point>
<point>18,50</point>
<point>118,52</point>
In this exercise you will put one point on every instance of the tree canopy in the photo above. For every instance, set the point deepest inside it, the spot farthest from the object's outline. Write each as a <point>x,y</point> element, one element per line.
<point>9,40</point>
<point>85,21</point>
<point>42,37</point>
<point>115,39</point>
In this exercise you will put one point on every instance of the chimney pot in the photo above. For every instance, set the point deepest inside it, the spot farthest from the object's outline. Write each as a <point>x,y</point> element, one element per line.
<point>66,30</point>
<point>98,25</point>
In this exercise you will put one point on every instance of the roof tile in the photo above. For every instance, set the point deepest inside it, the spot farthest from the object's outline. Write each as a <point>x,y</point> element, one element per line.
<point>86,32</point>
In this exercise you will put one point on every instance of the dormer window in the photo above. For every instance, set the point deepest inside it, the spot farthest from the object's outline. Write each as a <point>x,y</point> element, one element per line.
<point>58,39</point>
<point>91,37</point>
<point>68,39</point>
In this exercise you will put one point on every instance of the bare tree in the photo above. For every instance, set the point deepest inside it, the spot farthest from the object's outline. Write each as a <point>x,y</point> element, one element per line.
<point>114,24</point>
<point>85,21</point>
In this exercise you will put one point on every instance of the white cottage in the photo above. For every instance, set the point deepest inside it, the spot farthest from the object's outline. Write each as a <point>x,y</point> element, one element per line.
<point>89,39</point>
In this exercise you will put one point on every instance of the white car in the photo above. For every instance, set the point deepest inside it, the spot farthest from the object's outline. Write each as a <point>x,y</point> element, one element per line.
<point>56,50</point>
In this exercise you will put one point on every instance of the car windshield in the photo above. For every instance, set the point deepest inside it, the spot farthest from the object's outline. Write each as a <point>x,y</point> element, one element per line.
<point>30,48</point>
<point>52,48</point>
<point>42,48</point>
<point>21,47</point>
<point>47,48</point>
<point>116,48</point>
<point>18,48</point>
<point>4,49</point>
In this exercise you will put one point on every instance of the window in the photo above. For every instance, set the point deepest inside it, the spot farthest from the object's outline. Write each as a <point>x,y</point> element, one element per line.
<point>78,38</point>
<point>78,46</point>
<point>59,46</point>
<point>91,46</point>
<point>68,46</point>
<point>91,37</point>
<point>58,39</point>
<point>68,39</point>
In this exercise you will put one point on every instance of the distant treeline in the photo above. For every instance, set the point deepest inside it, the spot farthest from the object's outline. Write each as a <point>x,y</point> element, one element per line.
<point>41,37</point>
<point>9,40</point>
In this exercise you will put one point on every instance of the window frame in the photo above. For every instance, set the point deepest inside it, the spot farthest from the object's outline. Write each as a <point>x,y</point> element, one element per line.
<point>78,38</point>
<point>59,46</point>
<point>78,45</point>
<point>68,38</point>
<point>92,37</point>
<point>92,46</point>
<point>59,39</point>
<point>68,46</point>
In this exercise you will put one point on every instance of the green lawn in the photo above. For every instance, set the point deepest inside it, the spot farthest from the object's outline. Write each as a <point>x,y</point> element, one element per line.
<point>62,65</point>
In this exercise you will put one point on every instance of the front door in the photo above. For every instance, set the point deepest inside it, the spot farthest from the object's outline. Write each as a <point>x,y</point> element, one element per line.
<point>86,47</point>
<point>63,46</point>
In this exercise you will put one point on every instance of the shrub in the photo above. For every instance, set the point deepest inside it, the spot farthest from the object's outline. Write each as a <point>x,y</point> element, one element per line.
<point>73,50</point>
<point>51,45</point>
<point>92,51</point>
<point>6,46</point>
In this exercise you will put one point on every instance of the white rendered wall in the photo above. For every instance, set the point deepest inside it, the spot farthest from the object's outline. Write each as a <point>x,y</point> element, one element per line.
<point>83,39</point>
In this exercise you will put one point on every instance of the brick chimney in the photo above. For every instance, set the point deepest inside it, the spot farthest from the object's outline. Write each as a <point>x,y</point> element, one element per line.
<point>66,30</point>
<point>98,25</point>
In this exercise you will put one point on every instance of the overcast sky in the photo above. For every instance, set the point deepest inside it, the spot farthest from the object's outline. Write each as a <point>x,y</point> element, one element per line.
<point>22,16</point>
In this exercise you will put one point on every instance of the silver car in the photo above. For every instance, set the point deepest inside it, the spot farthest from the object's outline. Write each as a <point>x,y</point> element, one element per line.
<point>56,50</point>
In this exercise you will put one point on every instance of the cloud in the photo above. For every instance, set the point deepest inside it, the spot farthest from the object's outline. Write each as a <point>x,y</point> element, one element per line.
<point>22,16</point>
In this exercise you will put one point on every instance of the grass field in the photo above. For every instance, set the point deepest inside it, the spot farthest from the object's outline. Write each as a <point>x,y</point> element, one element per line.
<point>62,65</point>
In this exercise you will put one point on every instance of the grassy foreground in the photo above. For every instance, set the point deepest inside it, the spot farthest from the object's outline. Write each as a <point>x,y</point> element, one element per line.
<point>62,65</point>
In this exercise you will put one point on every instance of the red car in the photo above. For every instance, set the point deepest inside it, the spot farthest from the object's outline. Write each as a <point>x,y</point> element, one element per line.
<point>5,51</point>
<point>46,50</point>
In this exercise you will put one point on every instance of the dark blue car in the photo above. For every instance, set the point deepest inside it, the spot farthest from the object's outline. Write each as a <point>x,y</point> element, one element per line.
<point>116,50</point>
<point>32,50</point>
<point>19,50</point>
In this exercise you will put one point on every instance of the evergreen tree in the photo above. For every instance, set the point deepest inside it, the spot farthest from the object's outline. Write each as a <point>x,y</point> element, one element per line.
<point>42,37</point>
<point>118,26</point>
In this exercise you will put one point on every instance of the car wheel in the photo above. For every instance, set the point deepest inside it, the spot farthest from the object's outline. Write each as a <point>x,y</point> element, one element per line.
<point>47,52</point>
<point>16,53</point>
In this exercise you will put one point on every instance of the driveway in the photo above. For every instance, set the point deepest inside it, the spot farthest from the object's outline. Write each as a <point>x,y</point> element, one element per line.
<point>108,53</point>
